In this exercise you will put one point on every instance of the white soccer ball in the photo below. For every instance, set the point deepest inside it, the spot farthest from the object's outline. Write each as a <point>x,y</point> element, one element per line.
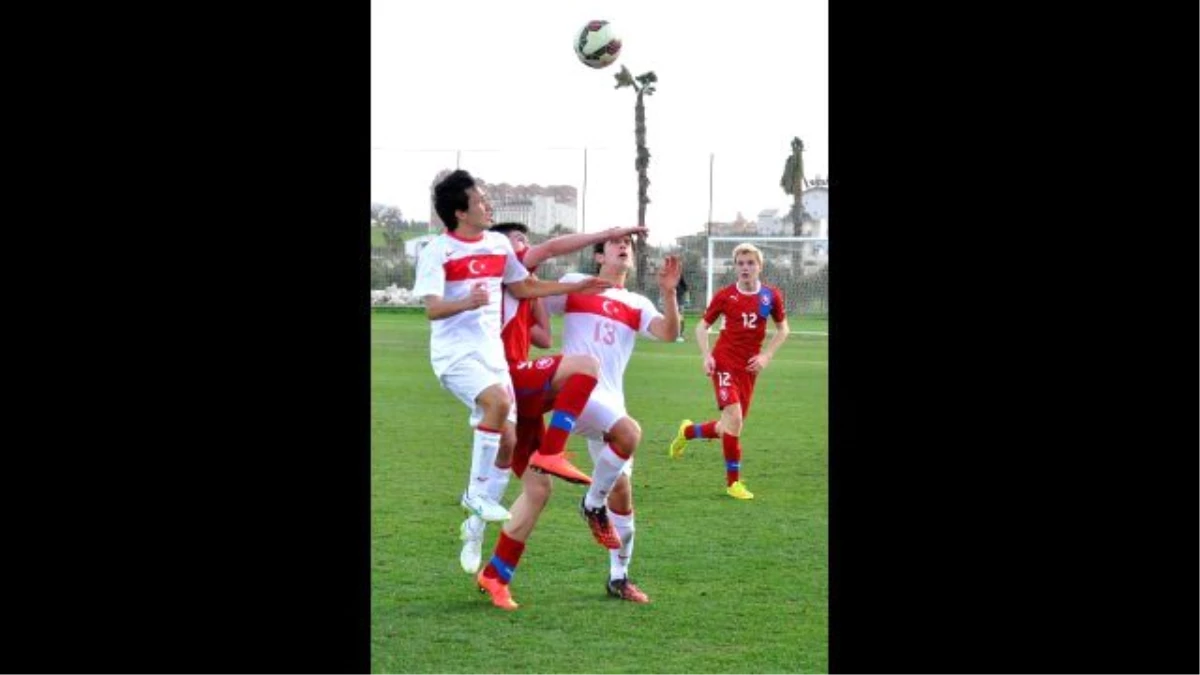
<point>596,45</point>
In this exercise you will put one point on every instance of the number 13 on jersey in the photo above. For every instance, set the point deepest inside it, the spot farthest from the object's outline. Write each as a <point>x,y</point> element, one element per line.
<point>605,332</point>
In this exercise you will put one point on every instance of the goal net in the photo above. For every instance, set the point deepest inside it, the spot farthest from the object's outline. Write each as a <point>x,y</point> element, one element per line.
<point>798,266</point>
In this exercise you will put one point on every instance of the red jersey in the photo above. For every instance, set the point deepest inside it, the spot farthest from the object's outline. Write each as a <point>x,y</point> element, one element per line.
<point>516,318</point>
<point>745,322</point>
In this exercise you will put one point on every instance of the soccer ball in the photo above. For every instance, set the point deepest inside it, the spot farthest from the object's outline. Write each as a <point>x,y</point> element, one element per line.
<point>596,45</point>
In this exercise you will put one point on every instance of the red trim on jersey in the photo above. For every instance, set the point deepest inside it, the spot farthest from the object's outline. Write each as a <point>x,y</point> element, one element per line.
<point>454,233</point>
<point>516,333</point>
<point>475,266</point>
<point>597,304</point>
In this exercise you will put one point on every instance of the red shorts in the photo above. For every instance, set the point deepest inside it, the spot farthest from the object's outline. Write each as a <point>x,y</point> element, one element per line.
<point>531,386</point>
<point>529,438</point>
<point>733,386</point>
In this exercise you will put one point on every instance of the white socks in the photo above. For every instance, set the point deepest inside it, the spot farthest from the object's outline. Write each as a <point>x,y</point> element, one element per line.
<point>607,469</point>
<point>483,458</point>
<point>618,566</point>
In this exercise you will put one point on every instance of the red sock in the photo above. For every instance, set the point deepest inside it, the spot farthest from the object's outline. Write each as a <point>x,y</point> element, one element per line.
<point>706,430</point>
<point>567,405</point>
<point>504,560</point>
<point>733,458</point>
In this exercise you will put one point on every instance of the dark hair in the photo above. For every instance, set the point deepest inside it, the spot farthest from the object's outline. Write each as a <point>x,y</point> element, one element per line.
<point>599,248</point>
<point>450,195</point>
<point>505,228</point>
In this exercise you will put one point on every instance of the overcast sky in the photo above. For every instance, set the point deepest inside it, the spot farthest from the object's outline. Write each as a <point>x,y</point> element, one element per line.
<point>500,83</point>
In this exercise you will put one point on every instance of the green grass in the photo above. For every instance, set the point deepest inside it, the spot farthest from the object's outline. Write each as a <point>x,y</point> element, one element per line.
<point>736,586</point>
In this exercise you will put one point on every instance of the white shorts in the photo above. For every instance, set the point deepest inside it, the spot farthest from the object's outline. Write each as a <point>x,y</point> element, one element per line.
<point>468,377</point>
<point>603,410</point>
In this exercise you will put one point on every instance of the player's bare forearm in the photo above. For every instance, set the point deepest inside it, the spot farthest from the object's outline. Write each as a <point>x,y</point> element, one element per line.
<point>761,360</point>
<point>537,288</point>
<point>702,337</point>
<point>781,333</point>
<point>539,332</point>
<point>667,328</point>
<point>436,308</point>
<point>570,243</point>
<point>668,280</point>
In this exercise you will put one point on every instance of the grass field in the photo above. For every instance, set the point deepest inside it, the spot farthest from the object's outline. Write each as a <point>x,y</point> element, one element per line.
<point>736,586</point>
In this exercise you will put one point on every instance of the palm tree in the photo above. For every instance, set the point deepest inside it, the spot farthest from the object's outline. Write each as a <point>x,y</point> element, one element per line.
<point>643,84</point>
<point>793,182</point>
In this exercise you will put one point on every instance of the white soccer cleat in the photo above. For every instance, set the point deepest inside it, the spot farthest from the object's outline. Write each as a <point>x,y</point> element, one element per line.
<point>485,508</point>
<point>472,550</point>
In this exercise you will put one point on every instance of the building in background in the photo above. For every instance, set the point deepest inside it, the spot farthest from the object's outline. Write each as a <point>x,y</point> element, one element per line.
<point>538,207</point>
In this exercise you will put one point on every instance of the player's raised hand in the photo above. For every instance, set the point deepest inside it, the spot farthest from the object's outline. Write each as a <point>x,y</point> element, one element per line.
<point>591,286</point>
<point>629,231</point>
<point>479,296</point>
<point>669,273</point>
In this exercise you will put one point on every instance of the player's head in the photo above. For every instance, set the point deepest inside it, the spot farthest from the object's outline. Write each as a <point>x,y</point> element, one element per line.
<point>517,233</point>
<point>459,199</point>
<point>616,253</point>
<point>747,260</point>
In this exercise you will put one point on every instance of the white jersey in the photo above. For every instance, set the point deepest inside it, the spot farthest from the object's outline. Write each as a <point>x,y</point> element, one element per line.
<point>604,325</point>
<point>449,267</point>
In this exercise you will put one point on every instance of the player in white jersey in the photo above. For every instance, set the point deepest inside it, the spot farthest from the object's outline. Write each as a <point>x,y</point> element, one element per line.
<point>556,383</point>
<point>560,384</point>
<point>459,277</point>
<point>606,326</point>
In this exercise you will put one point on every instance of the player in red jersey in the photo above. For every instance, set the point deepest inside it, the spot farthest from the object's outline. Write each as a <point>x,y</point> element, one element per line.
<point>736,361</point>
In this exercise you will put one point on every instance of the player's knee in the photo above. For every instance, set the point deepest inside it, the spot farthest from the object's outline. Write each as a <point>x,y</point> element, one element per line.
<point>731,422</point>
<point>585,364</point>
<point>495,402</point>
<point>627,434</point>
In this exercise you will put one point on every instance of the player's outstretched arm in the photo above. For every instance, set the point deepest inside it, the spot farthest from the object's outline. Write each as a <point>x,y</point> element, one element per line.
<point>570,243</point>
<point>536,288</point>
<point>436,308</point>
